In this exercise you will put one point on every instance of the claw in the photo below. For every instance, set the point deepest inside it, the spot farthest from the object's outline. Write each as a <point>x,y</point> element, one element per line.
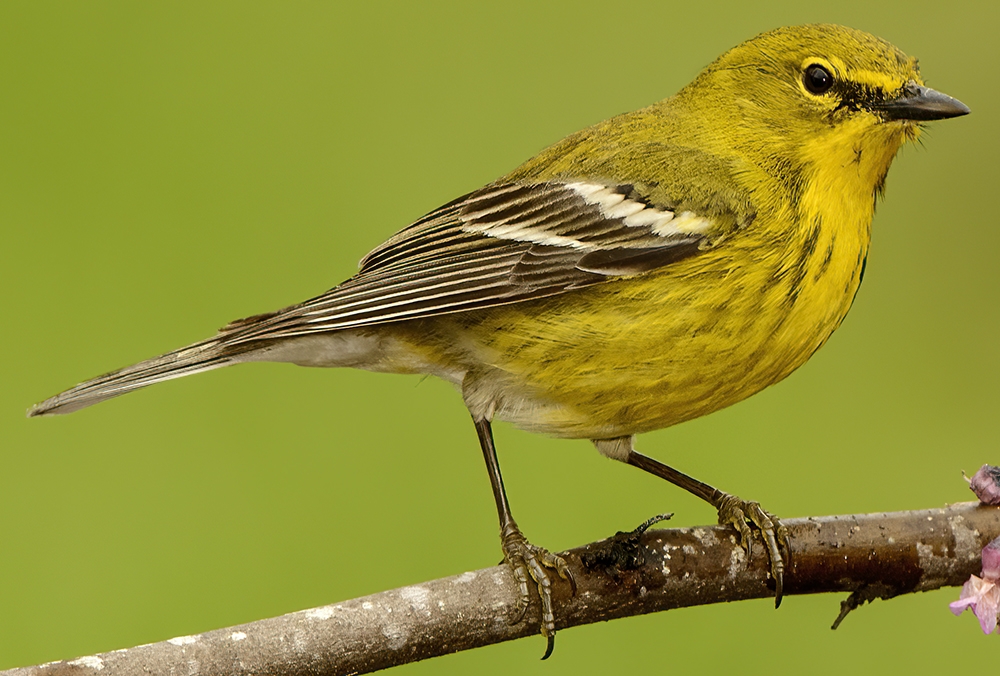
<point>736,512</point>
<point>549,646</point>
<point>568,576</point>
<point>558,564</point>
<point>527,559</point>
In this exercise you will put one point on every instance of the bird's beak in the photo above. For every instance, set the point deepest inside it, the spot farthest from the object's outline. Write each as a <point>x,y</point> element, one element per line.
<point>920,103</point>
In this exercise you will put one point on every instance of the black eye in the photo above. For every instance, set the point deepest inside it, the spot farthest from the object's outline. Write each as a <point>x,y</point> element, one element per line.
<point>817,79</point>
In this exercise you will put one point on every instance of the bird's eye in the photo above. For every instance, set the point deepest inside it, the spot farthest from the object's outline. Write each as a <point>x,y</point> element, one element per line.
<point>817,79</point>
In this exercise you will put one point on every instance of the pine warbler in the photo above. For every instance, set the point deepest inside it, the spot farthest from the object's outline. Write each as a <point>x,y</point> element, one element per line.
<point>653,268</point>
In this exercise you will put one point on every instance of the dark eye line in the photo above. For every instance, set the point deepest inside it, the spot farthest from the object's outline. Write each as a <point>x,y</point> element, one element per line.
<point>855,96</point>
<point>851,95</point>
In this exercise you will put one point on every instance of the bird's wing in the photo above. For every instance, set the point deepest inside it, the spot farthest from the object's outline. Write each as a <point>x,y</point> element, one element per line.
<point>502,244</point>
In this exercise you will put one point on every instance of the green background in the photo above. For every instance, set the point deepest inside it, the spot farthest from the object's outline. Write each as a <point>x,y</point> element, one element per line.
<point>167,167</point>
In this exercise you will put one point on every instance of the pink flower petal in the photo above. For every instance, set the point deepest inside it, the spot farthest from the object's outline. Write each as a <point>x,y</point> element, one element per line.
<point>983,597</point>
<point>986,610</point>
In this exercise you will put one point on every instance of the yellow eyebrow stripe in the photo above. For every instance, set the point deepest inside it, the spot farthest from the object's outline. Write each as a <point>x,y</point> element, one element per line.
<point>875,80</point>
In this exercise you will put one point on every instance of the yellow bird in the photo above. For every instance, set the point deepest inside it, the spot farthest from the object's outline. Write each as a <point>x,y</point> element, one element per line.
<point>651,269</point>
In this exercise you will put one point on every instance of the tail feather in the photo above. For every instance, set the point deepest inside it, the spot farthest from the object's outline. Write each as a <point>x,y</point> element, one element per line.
<point>204,356</point>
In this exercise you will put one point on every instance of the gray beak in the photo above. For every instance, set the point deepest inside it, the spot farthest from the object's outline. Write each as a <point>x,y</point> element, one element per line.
<point>920,104</point>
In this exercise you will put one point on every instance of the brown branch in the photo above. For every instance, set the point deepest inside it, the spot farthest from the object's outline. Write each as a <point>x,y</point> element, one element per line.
<point>869,555</point>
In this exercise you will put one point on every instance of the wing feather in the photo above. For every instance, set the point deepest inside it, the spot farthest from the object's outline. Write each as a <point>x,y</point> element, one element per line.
<point>502,244</point>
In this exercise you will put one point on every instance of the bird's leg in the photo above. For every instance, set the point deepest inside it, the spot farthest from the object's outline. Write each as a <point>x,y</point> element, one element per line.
<point>732,511</point>
<point>523,557</point>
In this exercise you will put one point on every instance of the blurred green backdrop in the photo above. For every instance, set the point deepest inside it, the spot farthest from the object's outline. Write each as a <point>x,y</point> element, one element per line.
<point>167,167</point>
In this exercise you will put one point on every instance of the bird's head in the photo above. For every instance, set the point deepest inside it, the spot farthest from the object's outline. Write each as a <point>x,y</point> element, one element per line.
<point>817,93</point>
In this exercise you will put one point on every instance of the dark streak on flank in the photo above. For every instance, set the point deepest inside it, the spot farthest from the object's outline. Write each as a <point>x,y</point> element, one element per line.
<point>802,265</point>
<point>863,263</point>
<point>825,265</point>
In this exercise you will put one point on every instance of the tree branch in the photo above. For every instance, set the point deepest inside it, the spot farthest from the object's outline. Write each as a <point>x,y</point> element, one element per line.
<point>869,555</point>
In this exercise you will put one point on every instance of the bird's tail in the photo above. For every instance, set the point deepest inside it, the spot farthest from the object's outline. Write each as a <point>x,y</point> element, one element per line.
<point>203,356</point>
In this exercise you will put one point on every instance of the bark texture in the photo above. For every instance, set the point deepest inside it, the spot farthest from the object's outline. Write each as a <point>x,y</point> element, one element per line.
<point>869,555</point>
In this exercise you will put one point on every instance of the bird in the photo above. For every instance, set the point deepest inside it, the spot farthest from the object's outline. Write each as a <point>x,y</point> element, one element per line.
<point>648,270</point>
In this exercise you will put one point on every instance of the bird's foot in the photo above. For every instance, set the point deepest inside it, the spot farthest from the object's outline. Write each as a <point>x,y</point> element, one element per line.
<point>526,559</point>
<point>738,513</point>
